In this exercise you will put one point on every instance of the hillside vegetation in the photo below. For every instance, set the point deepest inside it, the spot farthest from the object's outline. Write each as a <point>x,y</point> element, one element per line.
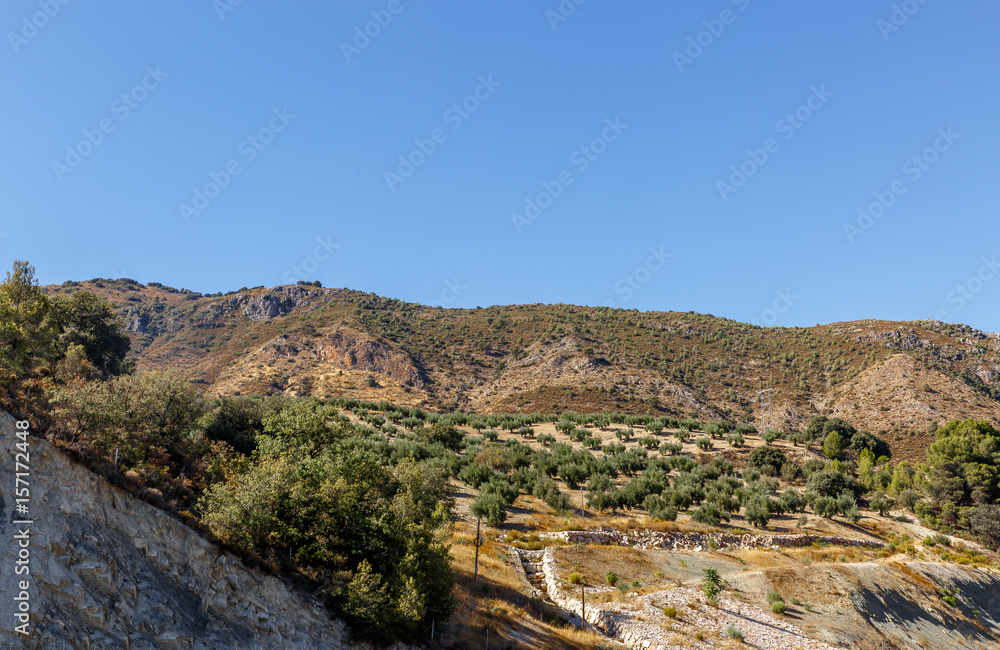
<point>357,471</point>
<point>903,378</point>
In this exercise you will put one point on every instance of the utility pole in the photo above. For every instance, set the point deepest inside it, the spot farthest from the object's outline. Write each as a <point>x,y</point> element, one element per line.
<point>767,409</point>
<point>478,542</point>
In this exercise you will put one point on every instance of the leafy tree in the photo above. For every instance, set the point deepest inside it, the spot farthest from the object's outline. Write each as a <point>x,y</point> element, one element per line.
<point>830,483</point>
<point>144,416</point>
<point>878,447</point>
<point>965,463</point>
<point>881,504</point>
<point>502,489</point>
<point>767,459</point>
<point>985,524</point>
<point>757,511</point>
<point>572,474</point>
<point>833,446</point>
<point>659,508</point>
<point>373,538</point>
<point>87,320</point>
<point>490,507</point>
<point>711,586</point>
<point>27,330</point>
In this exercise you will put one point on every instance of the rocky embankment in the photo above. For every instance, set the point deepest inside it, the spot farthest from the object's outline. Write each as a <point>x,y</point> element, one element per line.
<point>109,571</point>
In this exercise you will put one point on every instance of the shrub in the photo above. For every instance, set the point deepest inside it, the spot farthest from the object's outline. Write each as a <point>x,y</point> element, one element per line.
<point>778,607</point>
<point>611,578</point>
<point>774,597</point>
<point>575,578</point>
<point>771,435</point>
<point>704,444</point>
<point>670,611</point>
<point>734,633</point>
<point>735,440</point>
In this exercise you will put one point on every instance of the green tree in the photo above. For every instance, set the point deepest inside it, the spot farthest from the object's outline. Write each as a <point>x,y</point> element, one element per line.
<point>27,330</point>
<point>757,511</point>
<point>711,586</point>
<point>833,446</point>
<point>965,463</point>
<point>767,459</point>
<point>830,483</point>
<point>490,507</point>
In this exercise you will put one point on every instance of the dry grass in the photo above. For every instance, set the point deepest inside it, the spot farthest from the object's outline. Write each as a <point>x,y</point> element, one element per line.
<point>497,602</point>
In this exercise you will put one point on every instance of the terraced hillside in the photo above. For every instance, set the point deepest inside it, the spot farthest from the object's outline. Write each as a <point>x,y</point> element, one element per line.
<point>900,377</point>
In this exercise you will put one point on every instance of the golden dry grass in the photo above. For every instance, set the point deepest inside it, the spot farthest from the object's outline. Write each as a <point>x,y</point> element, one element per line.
<point>497,602</point>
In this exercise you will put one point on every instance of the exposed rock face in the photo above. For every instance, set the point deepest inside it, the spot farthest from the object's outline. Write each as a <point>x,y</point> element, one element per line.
<point>266,307</point>
<point>353,350</point>
<point>135,321</point>
<point>109,571</point>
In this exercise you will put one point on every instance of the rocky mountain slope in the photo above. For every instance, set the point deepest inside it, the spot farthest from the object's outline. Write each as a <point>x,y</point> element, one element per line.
<point>109,571</point>
<point>897,377</point>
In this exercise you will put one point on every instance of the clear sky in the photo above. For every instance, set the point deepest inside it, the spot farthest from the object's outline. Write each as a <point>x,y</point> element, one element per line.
<point>782,163</point>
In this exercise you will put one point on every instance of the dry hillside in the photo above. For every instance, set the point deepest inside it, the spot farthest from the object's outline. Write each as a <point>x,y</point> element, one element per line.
<point>900,377</point>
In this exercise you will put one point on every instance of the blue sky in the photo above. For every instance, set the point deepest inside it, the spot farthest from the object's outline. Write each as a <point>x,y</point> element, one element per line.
<point>746,159</point>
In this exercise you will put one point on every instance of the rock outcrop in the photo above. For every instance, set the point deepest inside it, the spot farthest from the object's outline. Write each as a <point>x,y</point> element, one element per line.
<point>352,350</point>
<point>110,571</point>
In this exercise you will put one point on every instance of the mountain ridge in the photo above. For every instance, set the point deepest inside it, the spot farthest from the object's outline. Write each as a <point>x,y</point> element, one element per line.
<point>308,340</point>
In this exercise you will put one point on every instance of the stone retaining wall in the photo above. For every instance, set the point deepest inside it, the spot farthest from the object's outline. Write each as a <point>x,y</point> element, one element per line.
<point>597,617</point>
<point>699,541</point>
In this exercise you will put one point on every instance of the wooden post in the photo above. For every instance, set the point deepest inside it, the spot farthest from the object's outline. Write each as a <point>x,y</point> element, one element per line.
<point>478,542</point>
<point>583,606</point>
